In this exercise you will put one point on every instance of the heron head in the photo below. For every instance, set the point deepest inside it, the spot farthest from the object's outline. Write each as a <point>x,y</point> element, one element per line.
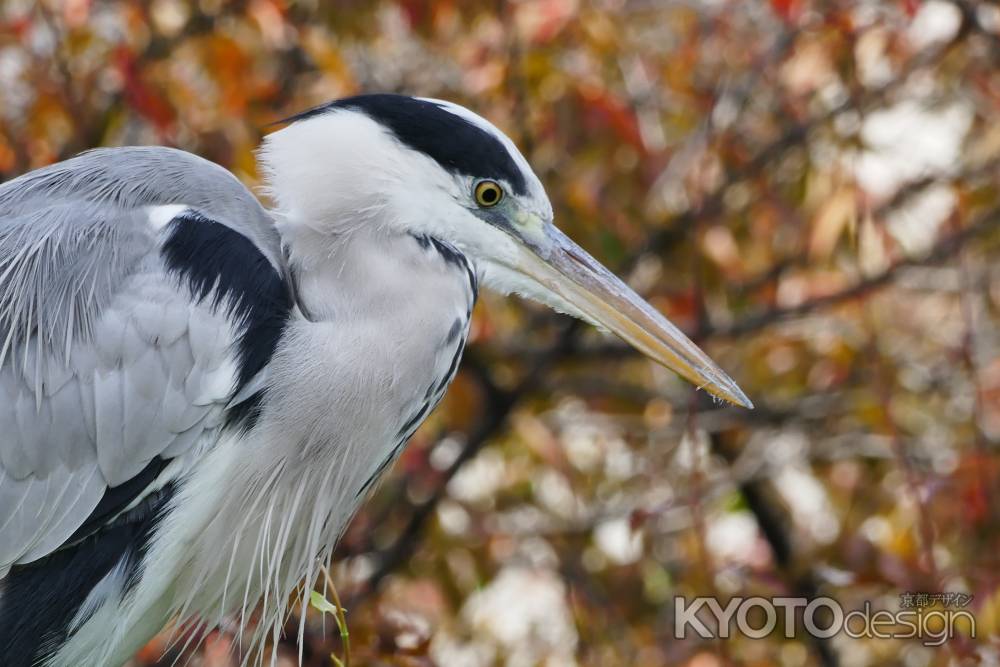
<point>399,164</point>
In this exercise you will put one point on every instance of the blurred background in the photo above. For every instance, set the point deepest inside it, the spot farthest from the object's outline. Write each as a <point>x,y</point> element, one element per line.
<point>810,189</point>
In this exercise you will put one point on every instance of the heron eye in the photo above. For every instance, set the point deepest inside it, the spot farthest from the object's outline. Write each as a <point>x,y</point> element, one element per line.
<point>488,193</point>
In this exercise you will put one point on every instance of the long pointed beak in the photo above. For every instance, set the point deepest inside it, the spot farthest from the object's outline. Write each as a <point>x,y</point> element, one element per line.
<point>600,297</point>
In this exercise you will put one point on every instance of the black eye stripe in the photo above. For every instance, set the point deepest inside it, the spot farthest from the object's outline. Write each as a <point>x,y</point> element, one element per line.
<point>455,143</point>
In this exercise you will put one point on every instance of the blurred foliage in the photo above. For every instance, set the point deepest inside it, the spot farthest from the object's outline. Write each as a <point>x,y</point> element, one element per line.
<point>810,188</point>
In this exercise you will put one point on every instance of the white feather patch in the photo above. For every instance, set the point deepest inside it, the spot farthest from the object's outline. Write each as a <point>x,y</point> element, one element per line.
<point>161,216</point>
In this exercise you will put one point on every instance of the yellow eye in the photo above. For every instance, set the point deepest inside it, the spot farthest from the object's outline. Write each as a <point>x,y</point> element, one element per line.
<point>488,193</point>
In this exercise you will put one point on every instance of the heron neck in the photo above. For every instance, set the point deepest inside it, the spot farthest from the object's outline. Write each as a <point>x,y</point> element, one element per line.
<point>366,274</point>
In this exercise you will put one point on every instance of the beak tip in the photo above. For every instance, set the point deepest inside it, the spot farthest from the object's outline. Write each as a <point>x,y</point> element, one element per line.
<point>743,400</point>
<point>732,393</point>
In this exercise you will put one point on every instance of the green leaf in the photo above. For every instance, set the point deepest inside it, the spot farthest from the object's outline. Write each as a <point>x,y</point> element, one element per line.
<point>321,604</point>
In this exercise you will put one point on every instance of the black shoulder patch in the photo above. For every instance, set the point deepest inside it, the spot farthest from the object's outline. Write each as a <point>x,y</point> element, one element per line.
<point>455,143</point>
<point>224,266</point>
<point>40,599</point>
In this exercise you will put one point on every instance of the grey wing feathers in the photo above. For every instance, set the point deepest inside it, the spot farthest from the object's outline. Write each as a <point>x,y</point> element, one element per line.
<point>59,267</point>
<point>141,176</point>
<point>104,362</point>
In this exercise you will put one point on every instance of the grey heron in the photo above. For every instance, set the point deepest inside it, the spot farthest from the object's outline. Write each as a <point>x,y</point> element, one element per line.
<point>196,393</point>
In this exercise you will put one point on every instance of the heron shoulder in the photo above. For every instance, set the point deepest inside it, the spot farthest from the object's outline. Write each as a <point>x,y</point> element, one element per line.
<point>134,177</point>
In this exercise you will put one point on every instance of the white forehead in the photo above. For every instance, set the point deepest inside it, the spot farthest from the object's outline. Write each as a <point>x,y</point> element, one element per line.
<point>536,197</point>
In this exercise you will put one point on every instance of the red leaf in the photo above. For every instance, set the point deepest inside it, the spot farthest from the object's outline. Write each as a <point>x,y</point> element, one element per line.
<point>139,95</point>
<point>605,110</point>
<point>788,10</point>
<point>910,7</point>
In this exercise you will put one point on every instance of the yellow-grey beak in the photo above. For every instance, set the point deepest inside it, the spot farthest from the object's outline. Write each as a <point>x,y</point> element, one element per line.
<point>577,279</point>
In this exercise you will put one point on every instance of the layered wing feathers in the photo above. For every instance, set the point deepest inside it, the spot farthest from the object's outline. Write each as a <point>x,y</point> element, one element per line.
<point>112,354</point>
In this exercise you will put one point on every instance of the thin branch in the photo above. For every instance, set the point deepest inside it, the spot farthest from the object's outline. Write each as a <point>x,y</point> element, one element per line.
<point>345,636</point>
<point>773,520</point>
<point>944,248</point>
